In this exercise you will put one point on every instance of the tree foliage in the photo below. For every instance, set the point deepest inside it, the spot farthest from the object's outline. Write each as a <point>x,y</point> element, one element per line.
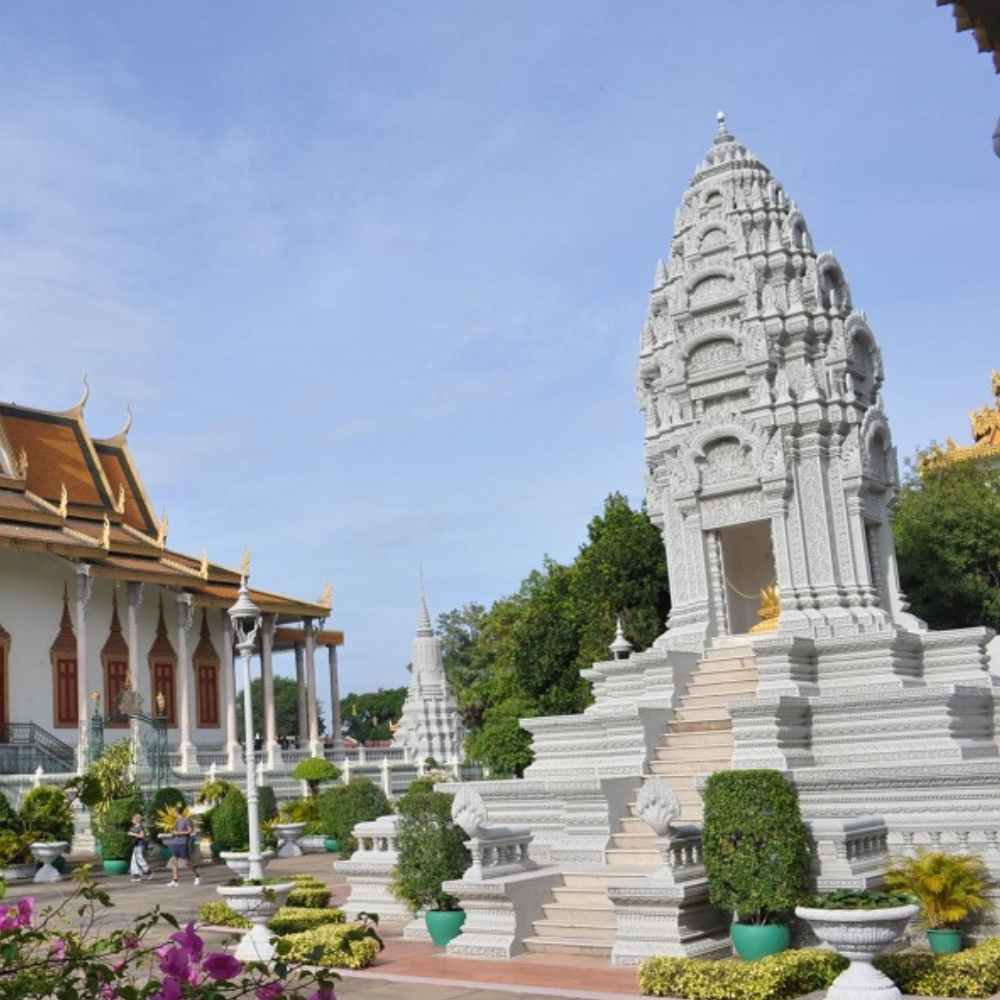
<point>947,529</point>
<point>367,717</point>
<point>286,711</point>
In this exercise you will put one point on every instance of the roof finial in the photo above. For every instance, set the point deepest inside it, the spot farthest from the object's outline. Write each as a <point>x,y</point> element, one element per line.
<point>424,626</point>
<point>621,647</point>
<point>245,565</point>
<point>720,117</point>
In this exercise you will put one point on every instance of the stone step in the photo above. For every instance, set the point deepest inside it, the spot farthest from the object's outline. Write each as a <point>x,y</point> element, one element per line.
<point>721,684</point>
<point>713,713</point>
<point>548,929</point>
<point>704,738</point>
<point>577,916</point>
<point>699,725</point>
<point>699,701</point>
<point>581,898</point>
<point>632,858</point>
<point>554,946</point>
<point>732,655</point>
<point>685,777</point>
<point>686,753</point>
<point>634,841</point>
<point>633,824</point>
<point>586,881</point>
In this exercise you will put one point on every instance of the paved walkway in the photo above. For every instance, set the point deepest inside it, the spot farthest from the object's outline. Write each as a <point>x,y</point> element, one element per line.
<point>412,969</point>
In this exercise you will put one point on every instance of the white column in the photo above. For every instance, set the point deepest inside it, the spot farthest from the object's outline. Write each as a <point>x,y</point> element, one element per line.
<point>331,652</point>
<point>185,615</point>
<point>139,676</point>
<point>84,587</point>
<point>302,736</point>
<point>315,747</point>
<point>272,752</point>
<point>233,752</point>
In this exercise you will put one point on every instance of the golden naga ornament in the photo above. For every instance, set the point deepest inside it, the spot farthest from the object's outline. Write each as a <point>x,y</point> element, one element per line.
<point>769,610</point>
<point>162,527</point>
<point>106,533</point>
<point>63,501</point>
<point>120,499</point>
<point>22,464</point>
<point>326,598</point>
<point>985,425</point>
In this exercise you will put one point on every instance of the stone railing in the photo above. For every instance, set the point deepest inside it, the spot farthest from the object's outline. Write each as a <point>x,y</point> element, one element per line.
<point>370,871</point>
<point>850,853</point>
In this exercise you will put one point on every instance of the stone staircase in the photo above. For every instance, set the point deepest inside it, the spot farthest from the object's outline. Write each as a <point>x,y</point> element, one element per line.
<point>579,920</point>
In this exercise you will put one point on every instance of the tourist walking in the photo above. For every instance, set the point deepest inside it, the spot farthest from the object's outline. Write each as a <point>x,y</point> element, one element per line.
<point>180,849</point>
<point>139,868</point>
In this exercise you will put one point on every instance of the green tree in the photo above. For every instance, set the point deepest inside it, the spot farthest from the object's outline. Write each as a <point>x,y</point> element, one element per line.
<point>286,712</point>
<point>367,716</point>
<point>947,530</point>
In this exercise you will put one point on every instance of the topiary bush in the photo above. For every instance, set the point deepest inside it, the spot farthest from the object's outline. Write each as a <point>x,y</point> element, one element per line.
<point>337,946</point>
<point>313,897</point>
<point>45,812</point>
<point>267,803</point>
<point>343,807</point>
<point>314,771</point>
<point>216,913</point>
<point>755,844</point>
<point>431,851</point>
<point>971,973</point>
<point>112,828</point>
<point>776,977</point>
<point>230,824</point>
<point>295,919</point>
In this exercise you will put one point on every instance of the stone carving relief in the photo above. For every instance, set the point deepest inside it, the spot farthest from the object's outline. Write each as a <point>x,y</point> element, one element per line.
<point>657,805</point>
<point>714,354</point>
<point>715,286</point>
<point>726,460</point>
<point>712,239</point>
<point>733,508</point>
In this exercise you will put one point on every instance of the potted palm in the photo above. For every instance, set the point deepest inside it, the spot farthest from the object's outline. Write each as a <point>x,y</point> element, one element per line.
<point>16,862</point>
<point>756,856</point>
<point>949,887</point>
<point>164,808</point>
<point>431,851</point>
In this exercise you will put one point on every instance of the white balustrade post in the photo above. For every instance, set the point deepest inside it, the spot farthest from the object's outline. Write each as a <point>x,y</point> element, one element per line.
<point>386,777</point>
<point>185,616</point>
<point>84,588</point>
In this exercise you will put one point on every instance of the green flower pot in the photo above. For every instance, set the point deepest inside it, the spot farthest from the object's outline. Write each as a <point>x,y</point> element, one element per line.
<point>945,940</point>
<point>164,853</point>
<point>443,925</point>
<point>112,866</point>
<point>331,844</point>
<point>759,940</point>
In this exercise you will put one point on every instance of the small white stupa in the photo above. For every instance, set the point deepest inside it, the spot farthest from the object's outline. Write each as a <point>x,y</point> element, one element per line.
<point>430,725</point>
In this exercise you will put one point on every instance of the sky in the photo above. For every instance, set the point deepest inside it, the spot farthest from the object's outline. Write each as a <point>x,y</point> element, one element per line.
<point>372,274</point>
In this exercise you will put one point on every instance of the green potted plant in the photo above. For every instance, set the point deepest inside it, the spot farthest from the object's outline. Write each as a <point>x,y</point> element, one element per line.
<point>949,887</point>
<point>756,856</point>
<point>343,807</point>
<point>431,852</point>
<point>45,811</point>
<point>314,771</point>
<point>16,861</point>
<point>116,845</point>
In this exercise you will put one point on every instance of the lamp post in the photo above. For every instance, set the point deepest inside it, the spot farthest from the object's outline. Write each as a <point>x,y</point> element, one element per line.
<point>246,618</point>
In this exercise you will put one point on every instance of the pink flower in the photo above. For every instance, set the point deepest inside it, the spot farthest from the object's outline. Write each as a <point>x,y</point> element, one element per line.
<point>174,962</point>
<point>130,940</point>
<point>170,989</point>
<point>270,991</point>
<point>323,993</point>
<point>190,942</point>
<point>218,965</point>
<point>26,910</point>
<point>57,950</point>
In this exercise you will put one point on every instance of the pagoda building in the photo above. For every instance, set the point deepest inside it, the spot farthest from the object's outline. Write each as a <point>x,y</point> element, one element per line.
<point>95,604</point>
<point>429,725</point>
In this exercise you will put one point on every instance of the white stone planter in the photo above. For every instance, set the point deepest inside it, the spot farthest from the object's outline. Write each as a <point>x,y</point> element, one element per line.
<point>861,936</point>
<point>238,862</point>
<point>18,873</point>
<point>288,834</point>
<point>46,852</point>
<point>312,843</point>
<point>258,903</point>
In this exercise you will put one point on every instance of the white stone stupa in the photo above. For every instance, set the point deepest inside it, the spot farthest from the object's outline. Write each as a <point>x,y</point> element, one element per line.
<point>429,725</point>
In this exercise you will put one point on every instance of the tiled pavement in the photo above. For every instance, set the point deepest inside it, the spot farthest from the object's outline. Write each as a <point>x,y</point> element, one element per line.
<point>410,970</point>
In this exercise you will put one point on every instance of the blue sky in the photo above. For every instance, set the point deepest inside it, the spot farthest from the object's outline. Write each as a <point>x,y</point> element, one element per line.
<point>373,274</point>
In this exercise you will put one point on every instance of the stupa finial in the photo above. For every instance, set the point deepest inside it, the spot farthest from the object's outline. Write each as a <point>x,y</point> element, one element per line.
<point>424,626</point>
<point>621,647</point>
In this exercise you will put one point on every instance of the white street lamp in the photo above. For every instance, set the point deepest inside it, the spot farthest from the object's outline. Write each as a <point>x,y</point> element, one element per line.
<point>246,618</point>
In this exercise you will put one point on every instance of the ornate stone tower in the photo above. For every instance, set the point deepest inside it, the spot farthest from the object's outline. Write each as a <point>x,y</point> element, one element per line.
<point>429,725</point>
<point>769,456</point>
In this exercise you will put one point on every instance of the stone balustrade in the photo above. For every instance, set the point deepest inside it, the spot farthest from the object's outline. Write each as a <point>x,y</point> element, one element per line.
<point>370,871</point>
<point>849,853</point>
<point>499,850</point>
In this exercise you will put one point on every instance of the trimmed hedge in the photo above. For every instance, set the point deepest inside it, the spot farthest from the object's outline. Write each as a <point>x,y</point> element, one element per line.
<point>343,807</point>
<point>776,977</point>
<point>337,946</point>
<point>219,914</point>
<point>971,973</point>
<point>314,771</point>
<point>755,843</point>
<point>112,829</point>
<point>295,919</point>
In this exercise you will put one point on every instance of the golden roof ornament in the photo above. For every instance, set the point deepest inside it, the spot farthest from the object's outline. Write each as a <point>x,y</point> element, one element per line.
<point>985,424</point>
<point>162,527</point>
<point>769,610</point>
<point>63,501</point>
<point>203,568</point>
<point>161,702</point>
<point>106,533</point>
<point>22,464</point>
<point>326,598</point>
<point>95,697</point>
<point>245,564</point>
<point>120,499</point>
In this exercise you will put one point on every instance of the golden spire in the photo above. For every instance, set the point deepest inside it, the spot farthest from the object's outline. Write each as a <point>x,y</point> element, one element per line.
<point>203,568</point>
<point>326,598</point>
<point>22,464</point>
<point>162,527</point>
<point>106,533</point>
<point>245,563</point>
<point>63,500</point>
<point>120,499</point>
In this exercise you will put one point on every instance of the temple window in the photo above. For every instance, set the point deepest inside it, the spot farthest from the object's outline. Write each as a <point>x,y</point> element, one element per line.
<point>206,673</point>
<point>163,672</point>
<point>114,662</point>
<point>62,654</point>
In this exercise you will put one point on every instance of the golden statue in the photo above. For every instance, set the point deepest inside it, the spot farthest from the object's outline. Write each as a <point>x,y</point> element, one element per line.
<point>245,563</point>
<point>985,424</point>
<point>769,610</point>
<point>162,527</point>
<point>120,499</point>
<point>22,464</point>
<point>161,703</point>
<point>203,568</point>
<point>106,533</point>
<point>394,727</point>
<point>63,500</point>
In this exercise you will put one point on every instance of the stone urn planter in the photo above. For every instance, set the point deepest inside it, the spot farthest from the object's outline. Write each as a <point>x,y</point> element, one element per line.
<point>18,873</point>
<point>860,936</point>
<point>238,862</point>
<point>313,842</point>
<point>258,903</point>
<point>288,835</point>
<point>47,852</point>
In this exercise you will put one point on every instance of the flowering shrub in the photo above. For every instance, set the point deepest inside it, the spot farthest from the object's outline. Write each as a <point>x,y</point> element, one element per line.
<point>43,960</point>
<point>292,919</point>
<point>971,973</point>
<point>217,913</point>
<point>309,891</point>
<point>337,946</point>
